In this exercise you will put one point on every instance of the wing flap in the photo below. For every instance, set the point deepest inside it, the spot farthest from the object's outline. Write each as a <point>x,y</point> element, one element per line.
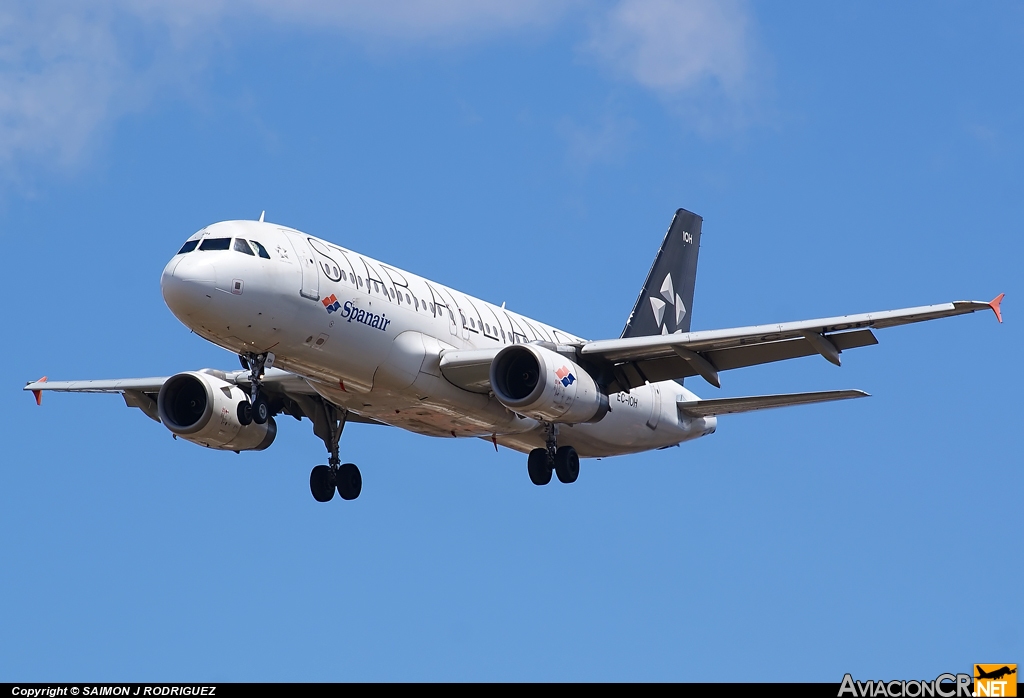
<point>144,401</point>
<point>736,405</point>
<point>632,374</point>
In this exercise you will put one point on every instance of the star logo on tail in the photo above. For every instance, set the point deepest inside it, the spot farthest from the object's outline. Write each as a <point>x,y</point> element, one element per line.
<point>659,306</point>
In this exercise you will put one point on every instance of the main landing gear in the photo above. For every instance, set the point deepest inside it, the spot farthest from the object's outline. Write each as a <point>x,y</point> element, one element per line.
<point>564,460</point>
<point>256,410</point>
<point>328,424</point>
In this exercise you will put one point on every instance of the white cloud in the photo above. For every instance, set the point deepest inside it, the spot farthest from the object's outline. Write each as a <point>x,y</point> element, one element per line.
<point>409,20</point>
<point>675,45</point>
<point>58,75</point>
<point>66,72</point>
<point>697,55</point>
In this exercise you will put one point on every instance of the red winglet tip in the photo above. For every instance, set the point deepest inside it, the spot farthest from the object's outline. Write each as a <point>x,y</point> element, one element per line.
<point>995,303</point>
<point>38,394</point>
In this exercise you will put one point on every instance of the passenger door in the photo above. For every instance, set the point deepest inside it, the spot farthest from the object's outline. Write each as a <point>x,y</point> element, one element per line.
<point>310,274</point>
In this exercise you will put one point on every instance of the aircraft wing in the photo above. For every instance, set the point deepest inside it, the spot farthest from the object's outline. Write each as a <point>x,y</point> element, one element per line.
<point>735,405</point>
<point>291,390</point>
<point>631,362</point>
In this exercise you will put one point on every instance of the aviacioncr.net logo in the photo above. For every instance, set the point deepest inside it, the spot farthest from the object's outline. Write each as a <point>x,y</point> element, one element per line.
<point>942,686</point>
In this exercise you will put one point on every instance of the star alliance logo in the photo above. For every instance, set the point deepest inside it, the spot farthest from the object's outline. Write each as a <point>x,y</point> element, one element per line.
<point>671,299</point>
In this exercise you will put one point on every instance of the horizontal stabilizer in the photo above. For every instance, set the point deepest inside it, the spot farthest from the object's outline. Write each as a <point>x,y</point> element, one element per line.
<point>735,405</point>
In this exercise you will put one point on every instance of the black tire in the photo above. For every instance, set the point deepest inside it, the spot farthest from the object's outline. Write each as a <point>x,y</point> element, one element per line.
<point>539,467</point>
<point>260,410</point>
<point>567,464</point>
<point>321,483</point>
<point>244,413</point>
<point>349,481</point>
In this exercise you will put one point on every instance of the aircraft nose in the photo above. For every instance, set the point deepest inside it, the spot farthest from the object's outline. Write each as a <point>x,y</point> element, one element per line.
<point>187,283</point>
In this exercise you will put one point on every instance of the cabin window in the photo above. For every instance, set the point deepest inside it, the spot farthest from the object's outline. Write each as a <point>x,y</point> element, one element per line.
<point>407,299</point>
<point>431,307</point>
<point>503,335</point>
<point>391,292</point>
<point>243,247</point>
<point>261,249</point>
<point>344,276</point>
<point>359,281</point>
<point>188,247</point>
<point>213,244</point>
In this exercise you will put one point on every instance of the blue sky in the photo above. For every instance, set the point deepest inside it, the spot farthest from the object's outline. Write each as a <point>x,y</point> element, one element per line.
<point>845,158</point>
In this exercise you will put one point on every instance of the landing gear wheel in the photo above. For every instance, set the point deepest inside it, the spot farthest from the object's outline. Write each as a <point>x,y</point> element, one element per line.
<point>321,483</point>
<point>567,464</point>
<point>244,413</point>
<point>350,481</point>
<point>539,467</point>
<point>260,410</point>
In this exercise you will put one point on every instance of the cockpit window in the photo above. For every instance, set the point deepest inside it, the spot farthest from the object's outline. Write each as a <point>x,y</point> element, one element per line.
<point>262,250</point>
<point>242,246</point>
<point>188,247</point>
<point>215,244</point>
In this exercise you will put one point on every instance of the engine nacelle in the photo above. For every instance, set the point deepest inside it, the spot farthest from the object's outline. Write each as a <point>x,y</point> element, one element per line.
<point>204,409</point>
<point>542,384</point>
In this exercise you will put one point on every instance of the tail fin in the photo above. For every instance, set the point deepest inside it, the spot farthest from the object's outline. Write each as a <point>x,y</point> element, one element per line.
<point>666,301</point>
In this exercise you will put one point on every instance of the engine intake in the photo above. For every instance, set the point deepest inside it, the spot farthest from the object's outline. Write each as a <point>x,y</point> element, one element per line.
<point>546,386</point>
<point>203,409</point>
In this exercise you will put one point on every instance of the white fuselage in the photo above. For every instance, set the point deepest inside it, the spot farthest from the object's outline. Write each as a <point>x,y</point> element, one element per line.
<point>369,338</point>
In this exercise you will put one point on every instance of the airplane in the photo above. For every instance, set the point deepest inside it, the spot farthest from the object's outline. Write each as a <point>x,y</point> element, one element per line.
<point>334,336</point>
<point>995,674</point>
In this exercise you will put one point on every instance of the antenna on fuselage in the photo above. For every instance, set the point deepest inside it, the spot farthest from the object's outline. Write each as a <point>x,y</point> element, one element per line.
<point>262,213</point>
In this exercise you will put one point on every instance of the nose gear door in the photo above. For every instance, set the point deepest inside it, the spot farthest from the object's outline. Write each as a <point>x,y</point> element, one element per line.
<point>310,273</point>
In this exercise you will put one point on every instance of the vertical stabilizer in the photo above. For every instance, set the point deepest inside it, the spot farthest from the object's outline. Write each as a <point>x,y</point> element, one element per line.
<point>666,301</point>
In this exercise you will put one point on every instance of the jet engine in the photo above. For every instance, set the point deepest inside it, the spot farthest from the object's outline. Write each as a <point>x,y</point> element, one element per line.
<point>542,384</point>
<point>203,409</point>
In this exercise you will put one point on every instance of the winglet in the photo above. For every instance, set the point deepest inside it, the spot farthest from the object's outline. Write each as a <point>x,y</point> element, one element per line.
<point>995,303</point>
<point>38,394</point>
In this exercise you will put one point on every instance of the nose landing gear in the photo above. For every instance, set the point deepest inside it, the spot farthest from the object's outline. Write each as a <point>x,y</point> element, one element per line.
<point>256,410</point>
<point>564,461</point>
